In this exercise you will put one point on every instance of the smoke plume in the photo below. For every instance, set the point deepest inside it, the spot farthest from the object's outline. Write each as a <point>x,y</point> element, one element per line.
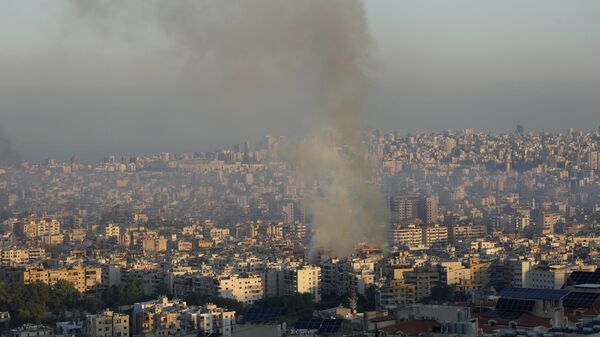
<point>323,44</point>
<point>8,154</point>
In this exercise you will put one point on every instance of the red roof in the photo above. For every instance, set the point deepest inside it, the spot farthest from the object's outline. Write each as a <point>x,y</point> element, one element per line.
<point>525,320</point>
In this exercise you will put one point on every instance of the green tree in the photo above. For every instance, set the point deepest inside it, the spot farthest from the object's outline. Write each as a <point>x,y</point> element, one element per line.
<point>294,306</point>
<point>162,289</point>
<point>30,313</point>
<point>441,294</point>
<point>130,292</point>
<point>92,304</point>
<point>5,296</point>
<point>228,303</point>
<point>196,298</point>
<point>367,302</point>
<point>63,296</point>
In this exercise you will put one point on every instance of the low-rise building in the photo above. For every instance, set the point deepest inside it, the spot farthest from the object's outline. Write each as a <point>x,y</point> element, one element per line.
<point>107,324</point>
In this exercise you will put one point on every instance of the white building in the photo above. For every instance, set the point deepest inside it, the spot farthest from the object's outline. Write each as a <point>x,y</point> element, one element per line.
<point>209,318</point>
<point>30,330</point>
<point>245,288</point>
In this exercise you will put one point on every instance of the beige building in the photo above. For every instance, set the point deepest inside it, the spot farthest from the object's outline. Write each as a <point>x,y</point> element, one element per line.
<point>465,232</point>
<point>245,288</point>
<point>424,279</point>
<point>83,279</point>
<point>209,319</point>
<point>107,324</point>
<point>17,256</point>
<point>397,293</point>
<point>35,228</point>
<point>303,280</point>
<point>457,275</point>
<point>481,273</point>
<point>410,236</point>
<point>154,244</point>
<point>435,235</point>
<point>112,230</point>
<point>157,318</point>
<point>545,221</point>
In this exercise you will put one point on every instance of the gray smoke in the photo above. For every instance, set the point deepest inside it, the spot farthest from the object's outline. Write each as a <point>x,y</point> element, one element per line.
<point>8,155</point>
<point>323,44</point>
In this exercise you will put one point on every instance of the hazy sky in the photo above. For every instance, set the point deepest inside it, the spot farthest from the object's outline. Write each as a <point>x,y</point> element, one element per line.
<point>91,86</point>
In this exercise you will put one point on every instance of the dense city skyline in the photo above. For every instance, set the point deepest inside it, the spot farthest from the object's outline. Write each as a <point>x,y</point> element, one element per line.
<point>280,168</point>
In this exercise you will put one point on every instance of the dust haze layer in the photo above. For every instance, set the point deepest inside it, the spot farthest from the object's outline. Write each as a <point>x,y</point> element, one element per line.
<point>324,44</point>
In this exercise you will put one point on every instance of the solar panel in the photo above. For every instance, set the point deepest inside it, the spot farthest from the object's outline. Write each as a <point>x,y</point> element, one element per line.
<point>330,325</point>
<point>308,324</point>
<point>322,325</point>
<point>534,293</point>
<point>511,304</point>
<point>584,277</point>
<point>580,299</point>
<point>262,314</point>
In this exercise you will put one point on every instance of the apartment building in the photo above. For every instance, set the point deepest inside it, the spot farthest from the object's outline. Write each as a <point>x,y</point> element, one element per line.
<point>303,280</point>
<point>245,288</point>
<point>107,324</point>
<point>83,279</point>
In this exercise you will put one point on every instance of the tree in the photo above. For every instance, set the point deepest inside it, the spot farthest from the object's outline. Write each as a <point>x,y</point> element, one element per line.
<point>333,301</point>
<point>31,313</point>
<point>162,289</point>
<point>440,294</point>
<point>228,303</point>
<point>196,298</point>
<point>294,306</point>
<point>130,292</point>
<point>63,296</point>
<point>368,302</point>
<point>92,304</point>
<point>5,296</point>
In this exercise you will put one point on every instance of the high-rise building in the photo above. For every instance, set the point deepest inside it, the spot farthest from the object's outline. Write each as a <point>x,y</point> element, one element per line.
<point>593,160</point>
<point>428,209</point>
<point>404,208</point>
<point>544,221</point>
<point>408,208</point>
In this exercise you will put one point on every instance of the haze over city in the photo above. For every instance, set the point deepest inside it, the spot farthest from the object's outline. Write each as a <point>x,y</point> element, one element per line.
<point>118,77</point>
<point>324,168</point>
